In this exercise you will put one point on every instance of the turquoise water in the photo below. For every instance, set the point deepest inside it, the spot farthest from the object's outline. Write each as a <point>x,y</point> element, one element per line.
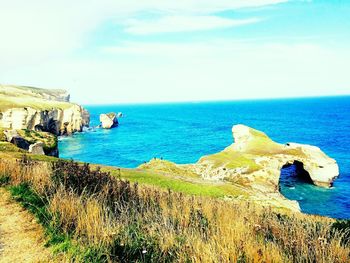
<point>184,132</point>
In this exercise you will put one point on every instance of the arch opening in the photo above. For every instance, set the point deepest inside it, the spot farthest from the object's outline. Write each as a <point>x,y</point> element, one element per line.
<point>294,173</point>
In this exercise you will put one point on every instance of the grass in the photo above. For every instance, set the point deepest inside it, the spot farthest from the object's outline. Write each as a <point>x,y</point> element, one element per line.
<point>9,147</point>
<point>167,167</point>
<point>6,89</point>
<point>177,185</point>
<point>29,97</point>
<point>231,160</point>
<point>92,216</point>
<point>59,241</point>
<point>9,102</point>
<point>48,139</point>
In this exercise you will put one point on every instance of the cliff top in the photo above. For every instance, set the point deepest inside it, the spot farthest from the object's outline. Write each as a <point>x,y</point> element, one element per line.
<point>37,98</point>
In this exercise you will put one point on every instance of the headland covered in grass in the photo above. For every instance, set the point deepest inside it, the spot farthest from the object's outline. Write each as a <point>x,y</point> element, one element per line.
<point>91,215</point>
<point>40,99</point>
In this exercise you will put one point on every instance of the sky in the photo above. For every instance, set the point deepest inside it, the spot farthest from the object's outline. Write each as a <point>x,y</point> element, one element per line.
<point>113,51</point>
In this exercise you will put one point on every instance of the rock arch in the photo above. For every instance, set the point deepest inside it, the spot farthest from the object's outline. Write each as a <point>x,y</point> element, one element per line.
<point>300,171</point>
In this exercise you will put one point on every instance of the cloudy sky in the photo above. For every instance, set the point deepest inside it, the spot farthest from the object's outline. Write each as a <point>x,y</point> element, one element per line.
<point>113,51</point>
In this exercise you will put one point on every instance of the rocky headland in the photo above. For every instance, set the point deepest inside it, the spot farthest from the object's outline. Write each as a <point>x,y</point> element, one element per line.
<point>40,110</point>
<point>31,118</point>
<point>254,161</point>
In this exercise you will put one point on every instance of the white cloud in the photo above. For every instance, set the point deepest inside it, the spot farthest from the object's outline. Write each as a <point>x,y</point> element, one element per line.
<point>182,24</point>
<point>40,29</point>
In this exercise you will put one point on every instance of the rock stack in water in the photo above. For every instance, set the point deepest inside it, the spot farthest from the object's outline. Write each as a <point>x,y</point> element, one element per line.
<point>109,120</point>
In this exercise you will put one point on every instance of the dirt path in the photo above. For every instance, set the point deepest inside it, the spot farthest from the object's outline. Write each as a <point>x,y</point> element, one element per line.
<point>21,238</point>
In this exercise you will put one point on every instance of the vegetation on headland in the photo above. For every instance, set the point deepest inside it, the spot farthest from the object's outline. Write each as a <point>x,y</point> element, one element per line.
<point>91,215</point>
<point>9,102</point>
<point>49,140</point>
<point>29,97</point>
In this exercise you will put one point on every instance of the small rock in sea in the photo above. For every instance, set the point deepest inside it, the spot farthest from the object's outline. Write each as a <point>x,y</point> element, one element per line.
<point>109,120</point>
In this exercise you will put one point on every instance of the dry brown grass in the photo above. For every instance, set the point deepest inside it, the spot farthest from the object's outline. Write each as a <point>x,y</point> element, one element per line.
<point>130,223</point>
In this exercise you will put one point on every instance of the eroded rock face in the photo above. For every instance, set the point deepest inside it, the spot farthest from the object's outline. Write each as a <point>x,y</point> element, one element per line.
<point>273,156</point>
<point>56,121</point>
<point>109,120</point>
<point>322,169</point>
<point>41,110</point>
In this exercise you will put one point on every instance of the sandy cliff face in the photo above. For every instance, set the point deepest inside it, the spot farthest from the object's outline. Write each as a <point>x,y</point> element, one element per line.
<point>41,110</point>
<point>56,121</point>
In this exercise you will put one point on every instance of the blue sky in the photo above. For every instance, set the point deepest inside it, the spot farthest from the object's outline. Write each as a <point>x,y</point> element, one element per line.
<point>115,51</point>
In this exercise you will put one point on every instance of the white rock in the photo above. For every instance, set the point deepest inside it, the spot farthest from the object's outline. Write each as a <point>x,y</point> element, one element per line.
<point>10,134</point>
<point>108,120</point>
<point>37,148</point>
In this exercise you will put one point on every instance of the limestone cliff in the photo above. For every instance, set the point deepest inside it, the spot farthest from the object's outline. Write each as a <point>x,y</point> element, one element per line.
<point>254,162</point>
<point>254,155</point>
<point>40,110</point>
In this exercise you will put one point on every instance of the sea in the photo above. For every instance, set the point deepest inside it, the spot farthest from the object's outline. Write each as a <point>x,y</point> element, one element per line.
<point>183,132</point>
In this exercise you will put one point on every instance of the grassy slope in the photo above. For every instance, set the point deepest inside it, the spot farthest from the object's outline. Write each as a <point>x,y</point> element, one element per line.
<point>179,184</point>
<point>151,178</point>
<point>8,102</point>
<point>20,97</point>
<point>167,226</point>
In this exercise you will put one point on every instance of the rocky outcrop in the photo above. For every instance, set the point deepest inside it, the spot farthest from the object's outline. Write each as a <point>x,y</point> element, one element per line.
<point>32,141</point>
<point>40,110</point>
<point>254,155</point>
<point>109,120</point>
<point>254,162</point>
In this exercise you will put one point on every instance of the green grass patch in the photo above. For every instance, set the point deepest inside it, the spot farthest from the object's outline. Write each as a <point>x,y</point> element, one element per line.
<point>230,159</point>
<point>4,179</point>
<point>9,147</point>
<point>31,102</point>
<point>167,167</point>
<point>31,201</point>
<point>177,185</point>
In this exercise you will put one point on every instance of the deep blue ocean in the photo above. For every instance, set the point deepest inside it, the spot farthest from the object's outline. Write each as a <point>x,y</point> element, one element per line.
<point>183,132</point>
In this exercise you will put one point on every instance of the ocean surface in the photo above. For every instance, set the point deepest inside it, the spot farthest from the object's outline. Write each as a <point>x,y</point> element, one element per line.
<point>183,132</point>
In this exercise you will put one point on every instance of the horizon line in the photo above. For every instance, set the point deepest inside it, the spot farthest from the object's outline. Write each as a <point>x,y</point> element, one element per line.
<point>216,101</point>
